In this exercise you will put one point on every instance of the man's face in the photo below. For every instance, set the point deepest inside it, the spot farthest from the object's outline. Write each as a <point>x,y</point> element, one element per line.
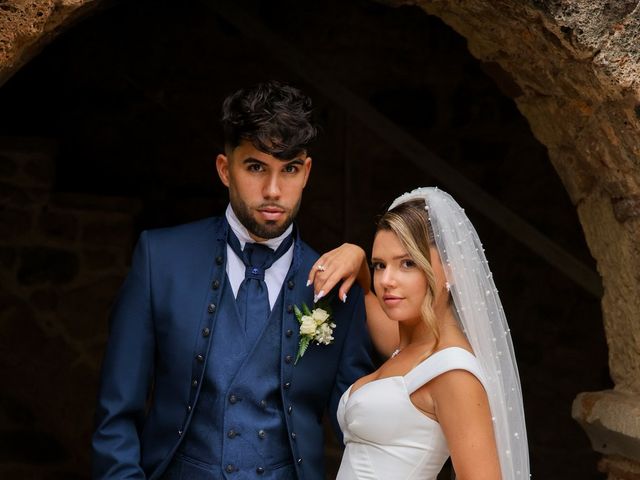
<point>264,192</point>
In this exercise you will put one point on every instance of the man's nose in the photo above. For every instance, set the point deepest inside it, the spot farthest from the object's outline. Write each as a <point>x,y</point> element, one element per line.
<point>272,187</point>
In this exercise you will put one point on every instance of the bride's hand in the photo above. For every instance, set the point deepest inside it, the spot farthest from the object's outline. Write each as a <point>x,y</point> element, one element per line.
<point>348,263</point>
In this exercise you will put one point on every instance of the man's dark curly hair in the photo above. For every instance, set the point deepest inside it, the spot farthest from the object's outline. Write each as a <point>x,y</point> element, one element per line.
<point>275,117</point>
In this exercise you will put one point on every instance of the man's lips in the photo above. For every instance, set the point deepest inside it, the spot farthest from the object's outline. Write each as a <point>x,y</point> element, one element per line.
<point>271,213</point>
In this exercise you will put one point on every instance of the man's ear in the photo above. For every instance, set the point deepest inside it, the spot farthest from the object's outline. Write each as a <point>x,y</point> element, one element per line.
<point>222,165</point>
<point>307,169</point>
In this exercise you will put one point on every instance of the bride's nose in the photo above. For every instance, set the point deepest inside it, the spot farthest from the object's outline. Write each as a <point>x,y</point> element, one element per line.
<point>387,278</point>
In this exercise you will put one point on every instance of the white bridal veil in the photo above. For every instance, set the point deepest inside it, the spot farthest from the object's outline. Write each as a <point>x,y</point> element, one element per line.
<point>482,318</point>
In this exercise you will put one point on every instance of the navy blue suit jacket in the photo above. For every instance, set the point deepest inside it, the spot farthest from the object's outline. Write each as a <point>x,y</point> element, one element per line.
<point>162,321</point>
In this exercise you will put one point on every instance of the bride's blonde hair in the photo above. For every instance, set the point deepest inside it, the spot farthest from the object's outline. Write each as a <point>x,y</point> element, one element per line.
<point>410,223</point>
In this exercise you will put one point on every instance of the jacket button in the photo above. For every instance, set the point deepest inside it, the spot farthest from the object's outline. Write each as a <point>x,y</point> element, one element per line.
<point>230,468</point>
<point>287,385</point>
<point>289,410</point>
<point>288,359</point>
<point>289,333</point>
<point>289,308</point>
<point>179,433</point>
<point>206,332</point>
<point>219,260</point>
<point>200,358</point>
<point>194,383</point>
<point>232,433</point>
<point>188,408</point>
<point>299,460</point>
<point>259,470</point>
<point>291,284</point>
<point>233,399</point>
<point>211,308</point>
<point>262,434</point>
<point>215,284</point>
<point>293,435</point>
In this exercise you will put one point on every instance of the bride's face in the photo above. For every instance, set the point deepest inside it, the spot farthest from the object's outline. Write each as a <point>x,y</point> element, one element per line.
<point>398,282</point>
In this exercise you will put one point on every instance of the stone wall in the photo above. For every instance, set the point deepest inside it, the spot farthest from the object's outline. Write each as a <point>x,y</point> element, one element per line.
<point>62,259</point>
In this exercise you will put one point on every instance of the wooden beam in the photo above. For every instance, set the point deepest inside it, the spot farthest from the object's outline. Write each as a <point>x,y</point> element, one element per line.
<point>462,188</point>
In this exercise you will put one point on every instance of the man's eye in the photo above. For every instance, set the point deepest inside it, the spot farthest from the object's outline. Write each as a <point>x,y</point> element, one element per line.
<point>255,167</point>
<point>291,168</point>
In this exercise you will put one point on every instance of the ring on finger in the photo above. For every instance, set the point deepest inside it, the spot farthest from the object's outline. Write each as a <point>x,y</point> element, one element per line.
<point>321,268</point>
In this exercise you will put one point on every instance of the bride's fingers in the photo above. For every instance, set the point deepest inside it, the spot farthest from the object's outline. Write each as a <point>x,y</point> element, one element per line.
<point>318,266</point>
<point>345,287</point>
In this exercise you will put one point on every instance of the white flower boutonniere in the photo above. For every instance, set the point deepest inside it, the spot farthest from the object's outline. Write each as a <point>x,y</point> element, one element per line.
<point>315,326</point>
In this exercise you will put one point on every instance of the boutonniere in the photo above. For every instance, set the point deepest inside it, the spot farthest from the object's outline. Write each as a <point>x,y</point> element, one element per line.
<point>315,326</point>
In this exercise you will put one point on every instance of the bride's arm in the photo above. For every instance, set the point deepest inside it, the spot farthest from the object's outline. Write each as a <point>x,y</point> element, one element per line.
<point>348,263</point>
<point>461,406</point>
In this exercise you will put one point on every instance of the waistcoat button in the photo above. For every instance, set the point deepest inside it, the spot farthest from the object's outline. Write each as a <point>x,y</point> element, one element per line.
<point>233,398</point>
<point>219,260</point>
<point>291,284</point>
<point>262,434</point>
<point>232,433</point>
<point>211,308</point>
<point>215,284</point>
<point>299,460</point>
<point>290,409</point>
<point>194,383</point>
<point>287,385</point>
<point>289,308</point>
<point>259,470</point>
<point>289,333</point>
<point>200,358</point>
<point>230,468</point>
<point>206,332</point>
<point>288,359</point>
<point>293,435</point>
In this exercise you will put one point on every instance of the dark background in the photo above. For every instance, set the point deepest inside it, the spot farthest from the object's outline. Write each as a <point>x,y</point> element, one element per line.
<point>113,128</point>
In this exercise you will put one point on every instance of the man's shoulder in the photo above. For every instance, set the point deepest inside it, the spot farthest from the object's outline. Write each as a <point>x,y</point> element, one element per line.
<point>205,229</point>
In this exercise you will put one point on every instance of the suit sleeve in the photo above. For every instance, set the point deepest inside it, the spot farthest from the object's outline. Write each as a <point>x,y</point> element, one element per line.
<point>126,375</point>
<point>355,358</point>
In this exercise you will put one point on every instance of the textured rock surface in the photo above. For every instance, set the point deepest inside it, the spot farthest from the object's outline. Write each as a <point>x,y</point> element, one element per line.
<point>26,26</point>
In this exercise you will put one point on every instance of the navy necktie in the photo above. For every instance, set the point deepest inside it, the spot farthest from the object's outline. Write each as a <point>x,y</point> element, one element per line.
<point>253,297</point>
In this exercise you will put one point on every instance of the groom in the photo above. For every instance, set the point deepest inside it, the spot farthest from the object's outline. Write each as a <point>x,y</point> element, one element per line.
<point>199,378</point>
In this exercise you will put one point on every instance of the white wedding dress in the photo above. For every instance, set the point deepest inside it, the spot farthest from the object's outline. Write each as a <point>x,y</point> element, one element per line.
<point>385,435</point>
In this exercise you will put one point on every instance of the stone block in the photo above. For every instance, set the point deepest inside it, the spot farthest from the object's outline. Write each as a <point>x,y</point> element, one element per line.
<point>83,311</point>
<point>14,223</point>
<point>42,265</point>
<point>611,420</point>
<point>59,225</point>
<point>101,259</point>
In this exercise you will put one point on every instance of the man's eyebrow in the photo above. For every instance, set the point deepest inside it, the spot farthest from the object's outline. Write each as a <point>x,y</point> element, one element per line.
<point>253,160</point>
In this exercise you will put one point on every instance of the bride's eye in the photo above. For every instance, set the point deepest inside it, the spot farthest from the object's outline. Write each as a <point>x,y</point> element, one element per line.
<point>376,265</point>
<point>408,263</point>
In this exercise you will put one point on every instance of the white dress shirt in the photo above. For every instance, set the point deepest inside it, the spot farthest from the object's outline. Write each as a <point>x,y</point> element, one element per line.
<point>274,275</point>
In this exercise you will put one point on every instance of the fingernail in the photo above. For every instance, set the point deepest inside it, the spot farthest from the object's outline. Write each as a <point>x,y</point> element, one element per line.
<point>308,283</point>
<point>320,294</point>
<point>315,298</point>
<point>344,298</point>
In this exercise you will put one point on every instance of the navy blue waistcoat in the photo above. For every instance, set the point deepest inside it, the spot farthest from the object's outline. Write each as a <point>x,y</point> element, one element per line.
<point>238,428</point>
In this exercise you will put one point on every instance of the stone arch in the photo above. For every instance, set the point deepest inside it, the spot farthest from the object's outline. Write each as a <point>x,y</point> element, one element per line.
<point>572,70</point>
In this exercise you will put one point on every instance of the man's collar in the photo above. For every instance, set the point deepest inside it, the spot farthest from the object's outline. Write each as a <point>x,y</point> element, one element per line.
<point>243,234</point>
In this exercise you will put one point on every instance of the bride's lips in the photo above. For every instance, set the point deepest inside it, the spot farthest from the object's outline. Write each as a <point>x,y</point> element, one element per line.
<point>391,299</point>
<point>271,213</point>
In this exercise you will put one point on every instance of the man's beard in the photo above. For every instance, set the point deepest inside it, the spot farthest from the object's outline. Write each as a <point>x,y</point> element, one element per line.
<point>269,230</point>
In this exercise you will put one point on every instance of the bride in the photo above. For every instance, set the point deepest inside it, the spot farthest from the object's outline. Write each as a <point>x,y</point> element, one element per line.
<point>451,385</point>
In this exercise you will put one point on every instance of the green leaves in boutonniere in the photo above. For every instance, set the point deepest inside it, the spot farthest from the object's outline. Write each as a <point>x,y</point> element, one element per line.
<point>315,326</point>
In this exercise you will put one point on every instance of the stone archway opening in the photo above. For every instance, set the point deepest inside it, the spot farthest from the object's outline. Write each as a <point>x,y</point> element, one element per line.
<point>569,69</point>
